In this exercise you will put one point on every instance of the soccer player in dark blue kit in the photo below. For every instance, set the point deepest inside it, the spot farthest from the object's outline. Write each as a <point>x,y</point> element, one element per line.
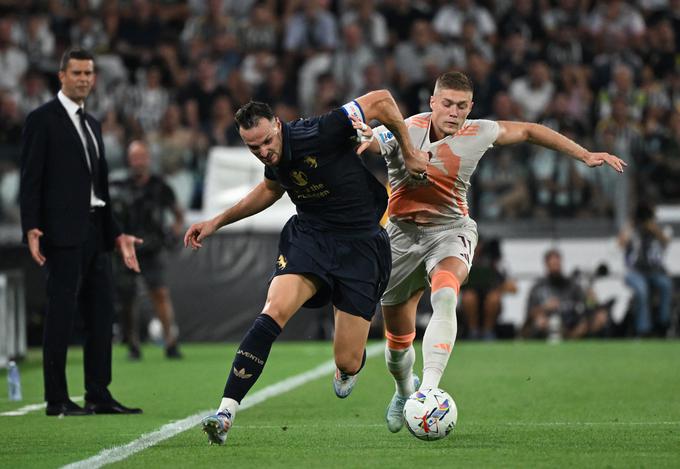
<point>334,249</point>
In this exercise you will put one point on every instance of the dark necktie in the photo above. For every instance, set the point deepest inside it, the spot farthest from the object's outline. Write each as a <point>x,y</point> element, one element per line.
<point>91,154</point>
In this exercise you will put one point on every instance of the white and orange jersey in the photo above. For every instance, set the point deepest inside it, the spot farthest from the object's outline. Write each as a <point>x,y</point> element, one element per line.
<point>442,198</point>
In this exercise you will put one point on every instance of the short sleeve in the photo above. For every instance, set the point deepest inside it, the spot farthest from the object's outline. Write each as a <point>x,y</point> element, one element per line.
<point>488,131</point>
<point>388,143</point>
<point>335,127</point>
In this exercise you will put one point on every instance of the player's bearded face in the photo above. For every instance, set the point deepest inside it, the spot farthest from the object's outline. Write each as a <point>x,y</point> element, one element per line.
<point>264,141</point>
<point>450,108</point>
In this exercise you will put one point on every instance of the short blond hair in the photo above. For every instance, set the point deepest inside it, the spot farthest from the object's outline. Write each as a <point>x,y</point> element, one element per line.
<point>453,81</point>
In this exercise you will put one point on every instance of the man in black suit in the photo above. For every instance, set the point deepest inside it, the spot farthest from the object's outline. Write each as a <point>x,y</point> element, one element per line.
<point>66,214</point>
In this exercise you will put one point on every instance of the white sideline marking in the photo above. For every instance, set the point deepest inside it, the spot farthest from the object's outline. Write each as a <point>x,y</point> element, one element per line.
<point>147,440</point>
<point>30,408</point>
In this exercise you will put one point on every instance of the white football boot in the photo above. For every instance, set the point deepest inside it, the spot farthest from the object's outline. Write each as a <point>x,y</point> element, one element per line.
<point>343,383</point>
<point>395,410</point>
<point>216,426</point>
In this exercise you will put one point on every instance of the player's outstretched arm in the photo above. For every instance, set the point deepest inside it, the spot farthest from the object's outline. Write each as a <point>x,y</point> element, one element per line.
<point>259,198</point>
<point>516,132</point>
<point>365,134</point>
<point>380,105</point>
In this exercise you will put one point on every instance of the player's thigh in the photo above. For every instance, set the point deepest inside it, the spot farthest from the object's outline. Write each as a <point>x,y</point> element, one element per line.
<point>400,319</point>
<point>351,333</point>
<point>452,250</point>
<point>286,295</point>
<point>408,274</point>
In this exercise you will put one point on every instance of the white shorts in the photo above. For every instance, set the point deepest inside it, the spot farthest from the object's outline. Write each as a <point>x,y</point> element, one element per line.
<point>416,250</point>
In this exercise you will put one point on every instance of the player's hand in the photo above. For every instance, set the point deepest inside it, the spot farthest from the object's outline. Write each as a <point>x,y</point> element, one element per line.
<point>598,159</point>
<point>33,237</point>
<point>417,163</point>
<point>197,233</point>
<point>126,246</point>
<point>364,132</point>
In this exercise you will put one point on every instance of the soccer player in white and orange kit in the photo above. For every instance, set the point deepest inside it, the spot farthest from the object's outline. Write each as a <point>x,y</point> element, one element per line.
<point>432,235</point>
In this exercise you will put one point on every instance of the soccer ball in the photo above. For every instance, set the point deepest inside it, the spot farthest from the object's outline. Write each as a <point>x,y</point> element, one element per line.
<point>155,330</point>
<point>430,414</point>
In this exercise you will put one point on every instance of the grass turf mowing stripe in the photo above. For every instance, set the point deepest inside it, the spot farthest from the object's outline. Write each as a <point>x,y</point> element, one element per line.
<point>118,453</point>
<point>30,408</point>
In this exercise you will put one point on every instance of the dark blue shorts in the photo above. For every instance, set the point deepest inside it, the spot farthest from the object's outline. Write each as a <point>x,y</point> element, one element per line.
<point>354,269</point>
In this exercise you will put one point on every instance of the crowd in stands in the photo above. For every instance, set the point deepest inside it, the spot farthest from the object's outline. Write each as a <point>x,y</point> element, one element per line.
<point>173,72</point>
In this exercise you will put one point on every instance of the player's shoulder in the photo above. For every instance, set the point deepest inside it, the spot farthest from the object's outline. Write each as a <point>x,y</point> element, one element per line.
<point>484,129</point>
<point>421,120</point>
<point>303,134</point>
<point>479,125</point>
<point>304,127</point>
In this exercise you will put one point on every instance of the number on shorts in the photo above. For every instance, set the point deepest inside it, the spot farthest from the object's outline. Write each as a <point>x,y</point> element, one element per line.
<point>468,245</point>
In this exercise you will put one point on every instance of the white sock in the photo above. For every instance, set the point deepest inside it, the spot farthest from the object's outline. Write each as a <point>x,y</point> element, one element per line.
<point>230,405</point>
<point>400,364</point>
<point>440,335</point>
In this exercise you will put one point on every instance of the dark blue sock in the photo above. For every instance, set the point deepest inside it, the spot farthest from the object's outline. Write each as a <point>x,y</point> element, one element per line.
<point>251,357</point>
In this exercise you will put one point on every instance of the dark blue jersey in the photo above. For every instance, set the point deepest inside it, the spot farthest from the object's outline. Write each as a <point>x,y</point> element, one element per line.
<point>326,180</point>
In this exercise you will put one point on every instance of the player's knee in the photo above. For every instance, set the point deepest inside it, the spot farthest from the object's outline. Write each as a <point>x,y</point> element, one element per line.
<point>277,313</point>
<point>349,362</point>
<point>445,280</point>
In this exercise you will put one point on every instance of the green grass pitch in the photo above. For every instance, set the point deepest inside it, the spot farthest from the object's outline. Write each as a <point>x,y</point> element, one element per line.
<point>586,404</point>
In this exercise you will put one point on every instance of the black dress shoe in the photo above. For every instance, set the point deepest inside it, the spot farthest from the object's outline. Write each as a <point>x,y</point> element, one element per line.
<point>111,407</point>
<point>67,408</point>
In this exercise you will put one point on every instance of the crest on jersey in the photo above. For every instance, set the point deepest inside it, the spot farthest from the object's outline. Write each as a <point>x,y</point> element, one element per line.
<point>242,373</point>
<point>281,262</point>
<point>311,161</point>
<point>299,178</point>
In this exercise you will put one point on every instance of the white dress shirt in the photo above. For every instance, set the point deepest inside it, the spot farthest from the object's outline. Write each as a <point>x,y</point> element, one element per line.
<point>72,110</point>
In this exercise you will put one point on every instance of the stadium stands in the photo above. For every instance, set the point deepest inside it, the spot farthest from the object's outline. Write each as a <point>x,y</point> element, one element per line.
<point>174,71</point>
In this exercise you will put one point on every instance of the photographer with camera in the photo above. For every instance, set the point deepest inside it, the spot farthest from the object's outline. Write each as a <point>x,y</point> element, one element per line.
<point>560,307</point>
<point>644,243</point>
<point>141,202</point>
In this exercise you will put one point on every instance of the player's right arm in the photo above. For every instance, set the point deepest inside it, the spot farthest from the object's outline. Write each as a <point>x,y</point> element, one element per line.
<point>366,134</point>
<point>258,199</point>
<point>380,105</point>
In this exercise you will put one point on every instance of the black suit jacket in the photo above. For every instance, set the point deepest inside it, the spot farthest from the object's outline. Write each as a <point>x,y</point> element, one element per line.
<point>55,179</point>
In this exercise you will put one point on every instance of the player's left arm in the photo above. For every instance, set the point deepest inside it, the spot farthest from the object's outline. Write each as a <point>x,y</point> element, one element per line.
<point>517,132</point>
